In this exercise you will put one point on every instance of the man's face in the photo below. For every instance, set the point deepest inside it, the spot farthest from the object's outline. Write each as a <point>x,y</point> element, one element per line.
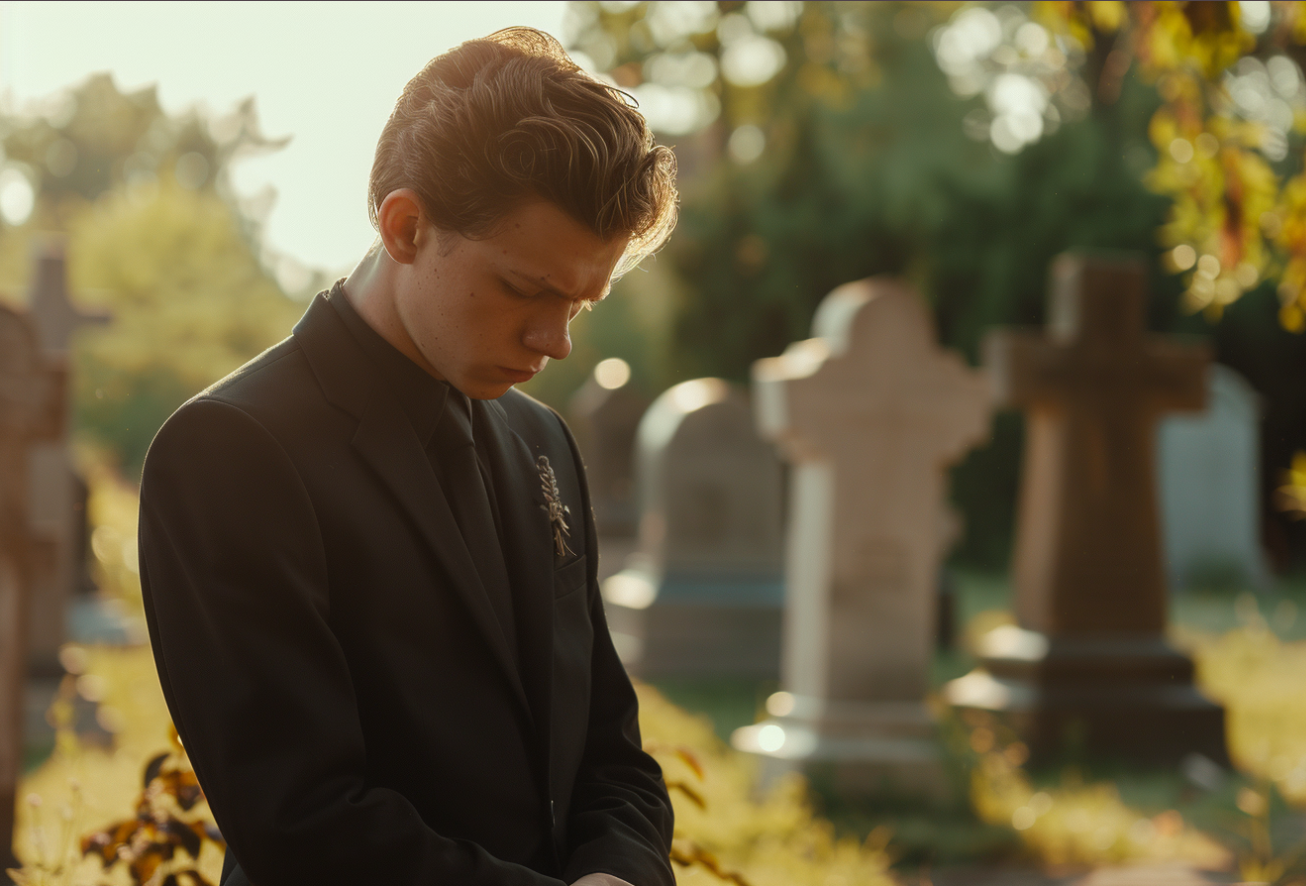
<point>488,314</point>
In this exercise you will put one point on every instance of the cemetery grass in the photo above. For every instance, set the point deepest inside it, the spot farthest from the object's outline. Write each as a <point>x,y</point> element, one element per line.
<point>1085,814</point>
<point>1250,651</point>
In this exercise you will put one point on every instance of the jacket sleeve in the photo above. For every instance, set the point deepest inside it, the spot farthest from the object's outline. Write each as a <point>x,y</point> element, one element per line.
<point>620,819</point>
<point>236,595</point>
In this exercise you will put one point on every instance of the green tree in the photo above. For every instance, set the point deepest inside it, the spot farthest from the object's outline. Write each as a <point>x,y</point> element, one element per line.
<point>190,303</point>
<point>154,234</point>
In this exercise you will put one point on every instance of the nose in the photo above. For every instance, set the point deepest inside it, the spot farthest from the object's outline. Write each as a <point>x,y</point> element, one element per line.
<point>548,335</point>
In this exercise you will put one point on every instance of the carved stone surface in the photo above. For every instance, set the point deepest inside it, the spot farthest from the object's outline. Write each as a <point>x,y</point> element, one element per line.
<point>703,594</point>
<point>31,409</point>
<point>57,549</point>
<point>1088,664</point>
<point>870,413</point>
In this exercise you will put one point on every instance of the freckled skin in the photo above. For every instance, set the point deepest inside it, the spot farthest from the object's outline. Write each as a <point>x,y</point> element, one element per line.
<point>467,311</point>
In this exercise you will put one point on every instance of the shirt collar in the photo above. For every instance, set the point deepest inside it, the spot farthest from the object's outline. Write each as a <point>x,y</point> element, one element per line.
<point>421,396</point>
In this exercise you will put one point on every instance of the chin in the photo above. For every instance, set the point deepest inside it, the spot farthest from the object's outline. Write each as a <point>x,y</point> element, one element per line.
<point>486,390</point>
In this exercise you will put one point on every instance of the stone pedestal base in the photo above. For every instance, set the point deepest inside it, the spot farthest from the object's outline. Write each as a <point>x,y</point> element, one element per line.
<point>856,750</point>
<point>1122,697</point>
<point>704,628</point>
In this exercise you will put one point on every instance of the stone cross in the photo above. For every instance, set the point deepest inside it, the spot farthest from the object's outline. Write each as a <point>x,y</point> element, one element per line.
<point>32,398</point>
<point>55,316</point>
<point>56,557</point>
<point>870,413</point>
<point>1088,553</point>
<point>1088,662</point>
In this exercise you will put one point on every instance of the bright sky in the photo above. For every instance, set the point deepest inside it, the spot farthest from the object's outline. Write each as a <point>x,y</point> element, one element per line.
<point>325,73</point>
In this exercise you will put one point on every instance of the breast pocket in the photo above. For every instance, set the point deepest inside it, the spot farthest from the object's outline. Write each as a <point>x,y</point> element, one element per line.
<point>570,578</point>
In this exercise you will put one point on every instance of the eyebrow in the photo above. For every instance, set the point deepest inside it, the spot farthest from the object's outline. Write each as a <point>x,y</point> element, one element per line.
<point>535,282</point>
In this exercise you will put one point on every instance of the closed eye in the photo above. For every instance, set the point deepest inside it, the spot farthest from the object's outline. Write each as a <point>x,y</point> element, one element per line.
<point>588,303</point>
<point>512,290</point>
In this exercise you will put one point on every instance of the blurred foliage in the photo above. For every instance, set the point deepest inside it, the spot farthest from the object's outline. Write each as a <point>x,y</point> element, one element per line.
<point>1228,134</point>
<point>1257,676</point>
<point>163,841</point>
<point>190,303</point>
<point>111,509</point>
<point>154,235</point>
<point>725,832</point>
<point>93,138</point>
<point>88,788</point>
<point>824,142</point>
<point>1292,494</point>
<point>1075,824</point>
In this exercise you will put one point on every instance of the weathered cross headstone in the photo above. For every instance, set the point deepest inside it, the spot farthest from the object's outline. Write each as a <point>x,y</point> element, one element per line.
<point>1211,488</point>
<point>604,415</point>
<point>31,408</point>
<point>1088,664</point>
<point>870,413</point>
<point>704,593</point>
<point>57,555</point>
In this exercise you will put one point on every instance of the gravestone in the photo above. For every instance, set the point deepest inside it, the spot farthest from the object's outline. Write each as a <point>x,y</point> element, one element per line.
<point>31,408</point>
<point>56,507</point>
<point>1088,667</point>
<point>703,594</point>
<point>604,415</point>
<point>870,413</point>
<point>1211,488</point>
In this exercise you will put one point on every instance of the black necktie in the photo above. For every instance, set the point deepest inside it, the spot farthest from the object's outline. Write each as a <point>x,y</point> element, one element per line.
<point>469,500</point>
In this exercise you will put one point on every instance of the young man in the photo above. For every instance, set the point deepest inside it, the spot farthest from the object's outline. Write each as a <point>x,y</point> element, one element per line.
<point>369,565</point>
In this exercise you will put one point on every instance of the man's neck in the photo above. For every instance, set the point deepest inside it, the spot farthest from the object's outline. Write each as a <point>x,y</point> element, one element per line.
<point>370,289</point>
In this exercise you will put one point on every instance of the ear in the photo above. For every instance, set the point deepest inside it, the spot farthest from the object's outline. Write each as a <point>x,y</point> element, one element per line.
<point>402,222</point>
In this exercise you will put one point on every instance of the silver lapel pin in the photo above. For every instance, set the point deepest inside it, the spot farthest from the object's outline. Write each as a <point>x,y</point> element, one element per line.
<point>557,511</point>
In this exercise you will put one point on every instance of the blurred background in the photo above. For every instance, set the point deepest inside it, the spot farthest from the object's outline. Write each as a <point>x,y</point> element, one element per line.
<point>203,168</point>
<point>209,176</point>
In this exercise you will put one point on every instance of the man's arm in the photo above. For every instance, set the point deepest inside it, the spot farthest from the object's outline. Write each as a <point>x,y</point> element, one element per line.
<point>621,821</point>
<point>234,577</point>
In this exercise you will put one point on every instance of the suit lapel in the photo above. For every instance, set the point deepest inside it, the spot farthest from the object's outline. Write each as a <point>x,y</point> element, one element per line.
<point>386,441</point>
<point>528,550</point>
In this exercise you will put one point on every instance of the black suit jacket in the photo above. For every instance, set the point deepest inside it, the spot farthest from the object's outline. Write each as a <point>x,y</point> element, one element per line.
<point>332,662</point>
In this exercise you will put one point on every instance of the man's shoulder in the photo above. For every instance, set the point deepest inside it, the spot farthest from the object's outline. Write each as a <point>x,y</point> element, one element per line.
<point>267,381</point>
<point>265,399</point>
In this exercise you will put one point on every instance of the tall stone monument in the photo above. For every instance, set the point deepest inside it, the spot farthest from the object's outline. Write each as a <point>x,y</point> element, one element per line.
<point>1089,668</point>
<point>32,398</point>
<point>870,413</point>
<point>56,509</point>
<point>1210,466</point>
<point>704,593</point>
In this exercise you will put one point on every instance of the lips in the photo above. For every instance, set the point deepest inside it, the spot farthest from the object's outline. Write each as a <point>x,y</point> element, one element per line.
<point>517,376</point>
